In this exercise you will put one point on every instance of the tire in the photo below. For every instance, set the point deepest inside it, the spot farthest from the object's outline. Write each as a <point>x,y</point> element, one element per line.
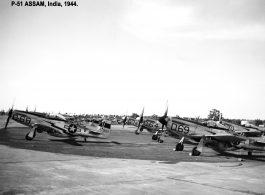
<point>179,147</point>
<point>136,132</point>
<point>249,153</point>
<point>195,152</point>
<point>28,138</point>
<point>39,130</point>
<point>161,141</point>
<point>154,137</point>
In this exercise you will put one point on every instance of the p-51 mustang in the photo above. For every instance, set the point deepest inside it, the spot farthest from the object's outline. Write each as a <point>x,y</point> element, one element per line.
<point>56,125</point>
<point>211,134</point>
<point>151,125</point>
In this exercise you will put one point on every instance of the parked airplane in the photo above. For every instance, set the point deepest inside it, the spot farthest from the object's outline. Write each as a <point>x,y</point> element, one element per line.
<point>57,125</point>
<point>151,125</point>
<point>212,134</point>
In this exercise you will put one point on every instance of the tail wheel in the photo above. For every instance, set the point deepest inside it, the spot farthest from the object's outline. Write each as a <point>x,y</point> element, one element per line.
<point>28,138</point>
<point>136,132</point>
<point>195,152</point>
<point>154,137</point>
<point>179,147</point>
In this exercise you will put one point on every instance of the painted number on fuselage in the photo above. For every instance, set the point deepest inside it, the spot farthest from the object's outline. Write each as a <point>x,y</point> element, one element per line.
<point>150,124</point>
<point>180,128</point>
<point>21,118</point>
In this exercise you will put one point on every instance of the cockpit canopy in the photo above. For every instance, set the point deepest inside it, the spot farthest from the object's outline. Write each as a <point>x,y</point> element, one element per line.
<point>214,124</point>
<point>56,116</point>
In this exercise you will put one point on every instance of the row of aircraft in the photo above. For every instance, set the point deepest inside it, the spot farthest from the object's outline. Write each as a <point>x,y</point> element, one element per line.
<point>218,135</point>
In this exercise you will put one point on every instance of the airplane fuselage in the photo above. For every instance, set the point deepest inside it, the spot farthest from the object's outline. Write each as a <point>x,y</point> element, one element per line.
<point>151,125</point>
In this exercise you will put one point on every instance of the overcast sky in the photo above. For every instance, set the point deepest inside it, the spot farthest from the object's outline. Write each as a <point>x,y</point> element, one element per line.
<point>109,56</point>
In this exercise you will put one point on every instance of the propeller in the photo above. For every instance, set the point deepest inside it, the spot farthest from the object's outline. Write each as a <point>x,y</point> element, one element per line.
<point>162,119</point>
<point>9,115</point>
<point>140,121</point>
<point>124,120</point>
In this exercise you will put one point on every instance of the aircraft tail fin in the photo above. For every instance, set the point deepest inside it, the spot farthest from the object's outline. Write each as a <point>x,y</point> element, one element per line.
<point>106,126</point>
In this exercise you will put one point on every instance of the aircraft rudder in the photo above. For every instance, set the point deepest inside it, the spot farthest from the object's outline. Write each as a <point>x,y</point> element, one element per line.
<point>106,129</point>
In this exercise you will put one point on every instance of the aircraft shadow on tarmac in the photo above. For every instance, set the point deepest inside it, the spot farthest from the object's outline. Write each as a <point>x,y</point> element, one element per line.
<point>254,157</point>
<point>77,143</point>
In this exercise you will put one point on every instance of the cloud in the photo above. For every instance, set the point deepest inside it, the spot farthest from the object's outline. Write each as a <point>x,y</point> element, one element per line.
<point>168,24</point>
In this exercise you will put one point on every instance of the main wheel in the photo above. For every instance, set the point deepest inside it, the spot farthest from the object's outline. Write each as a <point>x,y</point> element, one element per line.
<point>195,152</point>
<point>39,130</point>
<point>249,153</point>
<point>154,137</point>
<point>136,132</point>
<point>28,138</point>
<point>179,147</point>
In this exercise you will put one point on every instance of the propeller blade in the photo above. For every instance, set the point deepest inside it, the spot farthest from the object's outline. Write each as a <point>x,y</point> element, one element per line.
<point>124,121</point>
<point>141,118</point>
<point>162,119</point>
<point>9,116</point>
<point>166,111</point>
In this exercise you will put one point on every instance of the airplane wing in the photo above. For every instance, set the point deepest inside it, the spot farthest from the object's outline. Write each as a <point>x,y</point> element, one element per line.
<point>228,137</point>
<point>248,133</point>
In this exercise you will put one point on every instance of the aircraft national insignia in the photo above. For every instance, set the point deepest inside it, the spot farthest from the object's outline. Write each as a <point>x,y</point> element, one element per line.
<point>72,128</point>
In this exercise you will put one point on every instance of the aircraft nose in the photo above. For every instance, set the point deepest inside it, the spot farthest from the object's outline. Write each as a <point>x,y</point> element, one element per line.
<point>162,120</point>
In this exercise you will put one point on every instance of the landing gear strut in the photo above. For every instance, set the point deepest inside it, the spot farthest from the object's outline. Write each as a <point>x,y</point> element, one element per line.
<point>31,134</point>
<point>180,146</point>
<point>28,138</point>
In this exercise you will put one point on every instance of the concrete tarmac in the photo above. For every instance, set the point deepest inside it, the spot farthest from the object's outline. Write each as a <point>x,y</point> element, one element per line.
<point>32,172</point>
<point>139,166</point>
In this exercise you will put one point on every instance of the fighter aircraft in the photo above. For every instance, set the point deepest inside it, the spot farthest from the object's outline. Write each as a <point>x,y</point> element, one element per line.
<point>151,125</point>
<point>214,135</point>
<point>56,125</point>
